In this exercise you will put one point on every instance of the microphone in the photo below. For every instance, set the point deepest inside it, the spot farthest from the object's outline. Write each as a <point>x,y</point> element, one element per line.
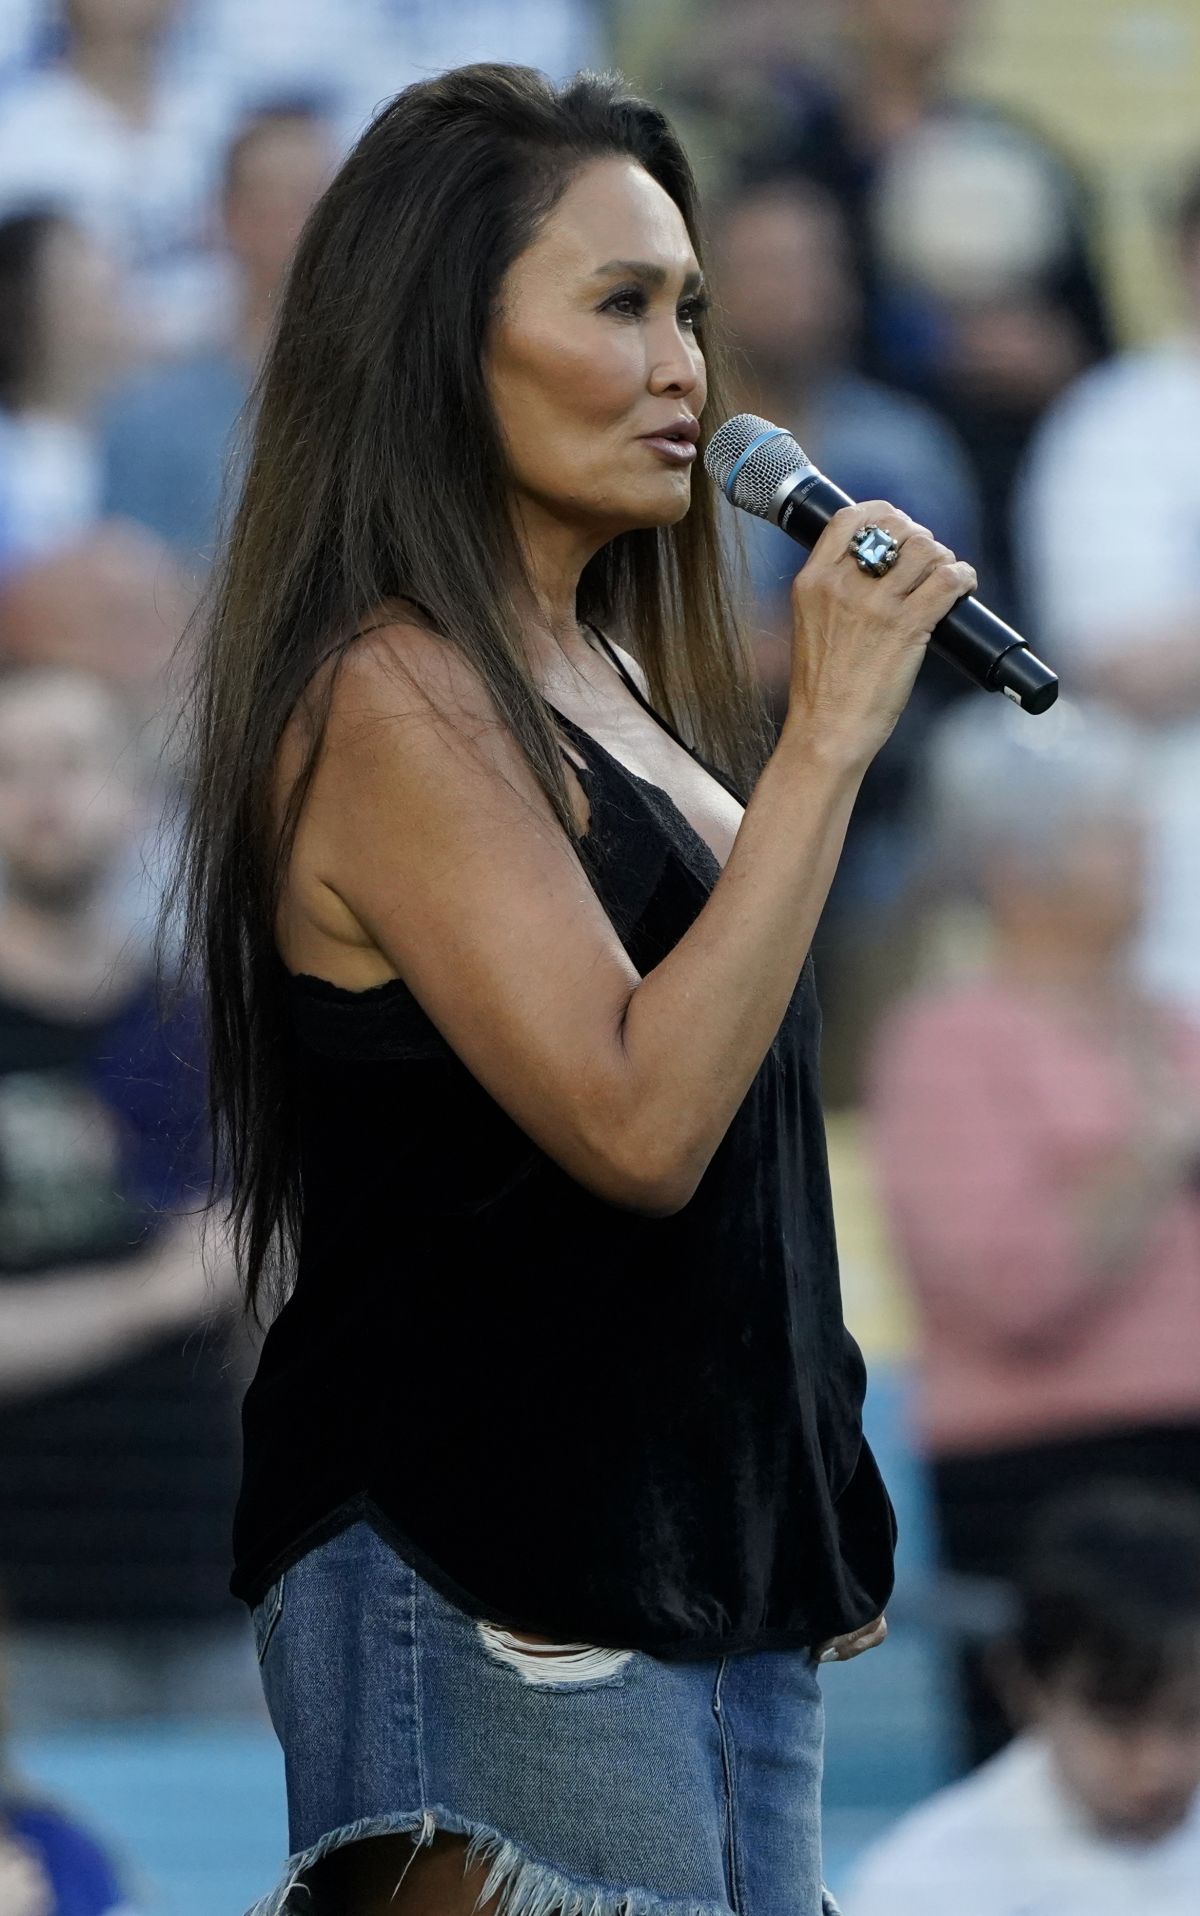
<point>760,468</point>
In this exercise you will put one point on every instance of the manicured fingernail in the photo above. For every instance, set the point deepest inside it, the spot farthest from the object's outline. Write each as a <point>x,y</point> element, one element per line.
<point>828,1656</point>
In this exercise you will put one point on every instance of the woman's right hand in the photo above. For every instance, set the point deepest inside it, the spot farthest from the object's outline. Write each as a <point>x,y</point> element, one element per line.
<point>840,1649</point>
<point>858,641</point>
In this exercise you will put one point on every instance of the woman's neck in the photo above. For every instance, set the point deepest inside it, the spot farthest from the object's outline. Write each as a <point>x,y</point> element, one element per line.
<point>555,556</point>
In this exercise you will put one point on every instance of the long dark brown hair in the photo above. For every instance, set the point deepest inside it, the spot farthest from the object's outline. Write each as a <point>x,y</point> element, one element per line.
<point>374,475</point>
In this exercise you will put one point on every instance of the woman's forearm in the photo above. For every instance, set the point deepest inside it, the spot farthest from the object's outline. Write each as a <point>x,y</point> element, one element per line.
<point>698,1026</point>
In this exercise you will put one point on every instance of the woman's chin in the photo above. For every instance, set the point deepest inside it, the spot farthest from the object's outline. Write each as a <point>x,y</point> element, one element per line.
<point>662,505</point>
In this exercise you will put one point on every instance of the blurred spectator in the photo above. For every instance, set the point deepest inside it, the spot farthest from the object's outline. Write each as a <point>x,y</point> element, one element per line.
<point>117,1422</point>
<point>794,310</point>
<point>790,298</point>
<point>113,603</point>
<point>105,134</point>
<point>1037,1133</point>
<point>972,234</point>
<point>49,1864</point>
<point>168,432</point>
<point>20,24</point>
<point>1095,1809</point>
<point>357,53</point>
<point>559,36</point>
<point>60,342</point>
<point>1116,593</point>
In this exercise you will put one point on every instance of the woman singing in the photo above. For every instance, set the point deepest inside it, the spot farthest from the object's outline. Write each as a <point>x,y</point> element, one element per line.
<point>554,1489</point>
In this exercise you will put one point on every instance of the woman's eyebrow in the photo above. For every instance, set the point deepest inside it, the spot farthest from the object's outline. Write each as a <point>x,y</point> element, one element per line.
<point>645,269</point>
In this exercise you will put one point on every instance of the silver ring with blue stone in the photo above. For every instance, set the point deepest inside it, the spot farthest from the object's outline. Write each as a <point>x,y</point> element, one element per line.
<point>875,550</point>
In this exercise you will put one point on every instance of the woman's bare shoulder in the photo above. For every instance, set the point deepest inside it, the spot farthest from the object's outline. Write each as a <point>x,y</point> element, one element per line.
<point>399,662</point>
<point>392,684</point>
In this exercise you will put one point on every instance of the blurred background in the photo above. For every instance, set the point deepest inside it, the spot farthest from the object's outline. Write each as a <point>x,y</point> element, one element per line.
<point>958,246</point>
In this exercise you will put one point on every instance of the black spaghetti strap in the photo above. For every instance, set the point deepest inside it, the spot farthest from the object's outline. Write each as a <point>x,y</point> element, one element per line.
<point>575,730</point>
<point>635,688</point>
<point>666,724</point>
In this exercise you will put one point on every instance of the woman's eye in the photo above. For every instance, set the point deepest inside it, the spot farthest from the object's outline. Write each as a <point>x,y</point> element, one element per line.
<point>629,303</point>
<point>632,304</point>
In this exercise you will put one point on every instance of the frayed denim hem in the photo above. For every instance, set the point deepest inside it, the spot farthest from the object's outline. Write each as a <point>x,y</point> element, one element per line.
<point>524,1887</point>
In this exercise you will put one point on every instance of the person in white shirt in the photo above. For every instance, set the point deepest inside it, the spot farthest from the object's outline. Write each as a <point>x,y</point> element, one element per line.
<point>129,147</point>
<point>1107,527</point>
<point>352,55</point>
<point>1094,1809</point>
<point>169,434</point>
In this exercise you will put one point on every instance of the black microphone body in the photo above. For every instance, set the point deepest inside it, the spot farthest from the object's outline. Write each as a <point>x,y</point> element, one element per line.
<point>972,638</point>
<point>753,463</point>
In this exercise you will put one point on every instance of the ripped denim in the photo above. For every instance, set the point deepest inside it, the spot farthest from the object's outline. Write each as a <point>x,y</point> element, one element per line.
<point>589,1781</point>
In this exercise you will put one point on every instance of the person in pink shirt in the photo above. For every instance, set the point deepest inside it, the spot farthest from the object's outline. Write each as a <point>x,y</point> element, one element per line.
<point>1036,1133</point>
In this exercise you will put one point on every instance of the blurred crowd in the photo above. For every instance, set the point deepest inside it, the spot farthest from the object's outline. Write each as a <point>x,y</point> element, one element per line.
<point>916,286</point>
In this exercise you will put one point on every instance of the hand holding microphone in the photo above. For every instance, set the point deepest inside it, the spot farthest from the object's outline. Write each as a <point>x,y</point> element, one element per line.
<point>877,589</point>
<point>858,640</point>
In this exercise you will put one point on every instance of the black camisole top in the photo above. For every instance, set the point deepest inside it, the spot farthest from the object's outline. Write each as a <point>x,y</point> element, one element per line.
<point>571,1418</point>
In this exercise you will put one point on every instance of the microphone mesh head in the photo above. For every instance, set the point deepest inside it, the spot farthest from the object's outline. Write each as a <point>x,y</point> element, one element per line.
<point>758,478</point>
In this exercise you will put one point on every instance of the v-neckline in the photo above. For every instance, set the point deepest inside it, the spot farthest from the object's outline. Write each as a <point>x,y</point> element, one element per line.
<point>615,658</point>
<point>622,770</point>
<point>580,732</point>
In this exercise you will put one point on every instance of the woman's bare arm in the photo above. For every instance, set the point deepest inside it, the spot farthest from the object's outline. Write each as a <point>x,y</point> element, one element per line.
<point>426,823</point>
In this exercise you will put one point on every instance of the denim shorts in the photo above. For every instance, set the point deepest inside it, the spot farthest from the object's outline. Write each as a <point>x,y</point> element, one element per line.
<point>590,1781</point>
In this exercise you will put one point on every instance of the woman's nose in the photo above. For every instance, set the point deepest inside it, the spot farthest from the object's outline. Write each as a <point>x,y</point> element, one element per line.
<point>678,366</point>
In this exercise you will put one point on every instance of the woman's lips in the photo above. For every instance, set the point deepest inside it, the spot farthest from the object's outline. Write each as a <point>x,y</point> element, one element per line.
<point>680,451</point>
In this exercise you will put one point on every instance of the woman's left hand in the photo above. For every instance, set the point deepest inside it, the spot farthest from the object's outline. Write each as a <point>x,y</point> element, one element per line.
<point>841,1649</point>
